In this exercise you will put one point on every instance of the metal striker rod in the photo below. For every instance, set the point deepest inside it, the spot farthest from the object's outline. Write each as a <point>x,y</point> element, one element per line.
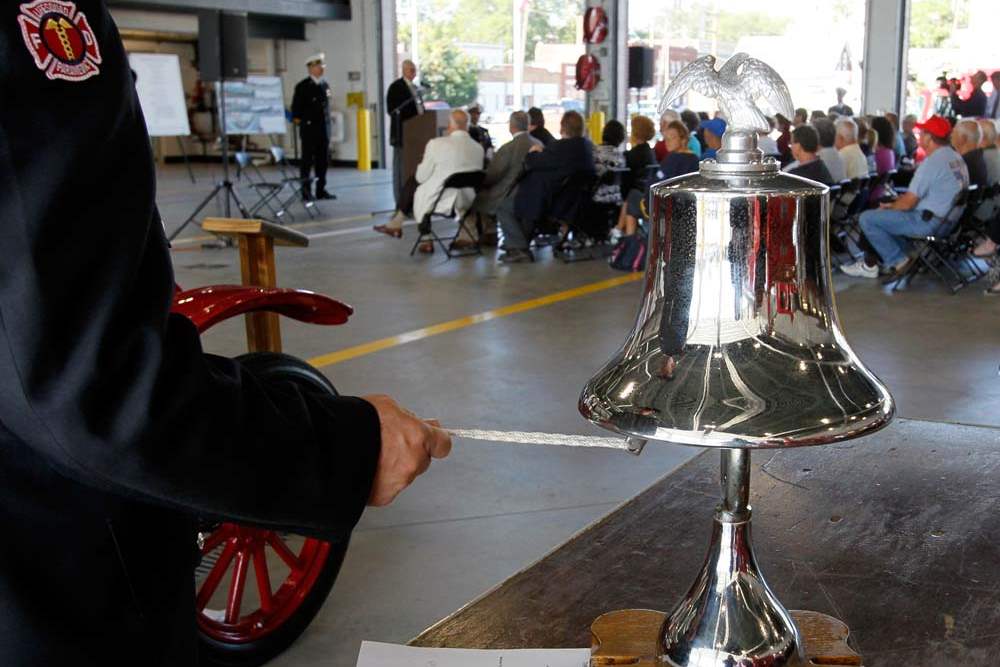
<point>735,481</point>
<point>631,445</point>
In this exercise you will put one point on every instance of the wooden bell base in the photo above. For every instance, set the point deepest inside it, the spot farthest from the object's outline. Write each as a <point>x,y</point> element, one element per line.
<point>629,637</point>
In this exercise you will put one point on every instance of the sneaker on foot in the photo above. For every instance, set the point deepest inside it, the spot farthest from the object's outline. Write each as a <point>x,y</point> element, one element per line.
<point>860,270</point>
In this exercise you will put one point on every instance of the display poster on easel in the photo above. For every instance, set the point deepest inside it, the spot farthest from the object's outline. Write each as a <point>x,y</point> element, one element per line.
<point>161,94</point>
<point>255,106</point>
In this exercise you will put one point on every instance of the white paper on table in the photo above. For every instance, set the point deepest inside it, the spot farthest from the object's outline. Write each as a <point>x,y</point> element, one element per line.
<point>377,654</point>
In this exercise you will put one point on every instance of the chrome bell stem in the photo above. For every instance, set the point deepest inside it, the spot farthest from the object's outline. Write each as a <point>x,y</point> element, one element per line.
<point>730,617</point>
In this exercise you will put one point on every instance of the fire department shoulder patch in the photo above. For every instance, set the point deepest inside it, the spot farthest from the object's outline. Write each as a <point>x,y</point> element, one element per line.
<point>60,39</point>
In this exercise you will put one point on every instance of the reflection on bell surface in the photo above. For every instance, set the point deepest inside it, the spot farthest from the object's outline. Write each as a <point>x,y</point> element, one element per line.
<point>737,346</point>
<point>737,342</point>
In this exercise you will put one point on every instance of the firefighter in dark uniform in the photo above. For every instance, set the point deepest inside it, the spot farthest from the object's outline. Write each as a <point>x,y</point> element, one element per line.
<point>311,112</point>
<point>116,430</point>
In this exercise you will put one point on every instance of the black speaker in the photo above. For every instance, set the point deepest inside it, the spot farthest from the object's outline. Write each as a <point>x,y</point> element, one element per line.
<point>222,45</point>
<point>640,67</point>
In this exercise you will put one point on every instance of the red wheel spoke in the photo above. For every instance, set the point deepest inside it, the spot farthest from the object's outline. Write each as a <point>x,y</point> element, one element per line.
<point>237,587</point>
<point>279,599</point>
<point>215,576</point>
<point>263,579</point>
<point>283,551</point>
<point>217,537</point>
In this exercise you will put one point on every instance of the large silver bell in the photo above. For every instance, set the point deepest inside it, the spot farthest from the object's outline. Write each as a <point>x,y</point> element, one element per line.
<point>737,345</point>
<point>737,342</point>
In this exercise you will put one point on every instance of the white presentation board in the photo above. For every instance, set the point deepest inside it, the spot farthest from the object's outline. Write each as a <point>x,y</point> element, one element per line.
<point>255,106</point>
<point>161,94</point>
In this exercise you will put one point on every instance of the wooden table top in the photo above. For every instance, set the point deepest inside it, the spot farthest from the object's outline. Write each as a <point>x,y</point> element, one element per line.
<point>897,534</point>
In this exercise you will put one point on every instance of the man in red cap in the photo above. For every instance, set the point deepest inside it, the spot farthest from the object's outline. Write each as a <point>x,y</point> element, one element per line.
<point>919,211</point>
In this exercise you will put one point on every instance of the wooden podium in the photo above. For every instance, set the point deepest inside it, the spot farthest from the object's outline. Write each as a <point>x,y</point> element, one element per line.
<point>257,239</point>
<point>417,131</point>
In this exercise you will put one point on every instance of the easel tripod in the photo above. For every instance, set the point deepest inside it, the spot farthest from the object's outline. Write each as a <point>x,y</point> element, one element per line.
<point>225,186</point>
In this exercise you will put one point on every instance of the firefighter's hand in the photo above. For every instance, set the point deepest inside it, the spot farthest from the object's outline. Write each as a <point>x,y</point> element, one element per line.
<point>408,445</point>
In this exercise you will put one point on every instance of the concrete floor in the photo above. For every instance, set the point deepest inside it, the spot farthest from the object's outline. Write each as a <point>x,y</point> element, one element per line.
<point>491,510</point>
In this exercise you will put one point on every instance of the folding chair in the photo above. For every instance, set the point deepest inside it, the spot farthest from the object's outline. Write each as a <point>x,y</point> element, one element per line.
<point>852,202</point>
<point>458,181</point>
<point>267,191</point>
<point>295,182</point>
<point>935,252</point>
<point>562,218</point>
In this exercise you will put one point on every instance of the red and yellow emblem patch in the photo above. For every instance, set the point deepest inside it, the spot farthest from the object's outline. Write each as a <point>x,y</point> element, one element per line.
<point>60,39</point>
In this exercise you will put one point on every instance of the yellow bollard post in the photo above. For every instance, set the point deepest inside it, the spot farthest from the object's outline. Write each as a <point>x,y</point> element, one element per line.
<point>364,140</point>
<point>596,126</point>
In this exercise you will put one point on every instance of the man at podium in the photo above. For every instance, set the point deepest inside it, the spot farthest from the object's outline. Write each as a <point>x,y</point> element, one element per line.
<point>403,101</point>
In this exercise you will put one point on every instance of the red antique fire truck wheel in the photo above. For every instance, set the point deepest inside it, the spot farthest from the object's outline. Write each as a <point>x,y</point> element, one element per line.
<point>257,589</point>
<point>240,546</point>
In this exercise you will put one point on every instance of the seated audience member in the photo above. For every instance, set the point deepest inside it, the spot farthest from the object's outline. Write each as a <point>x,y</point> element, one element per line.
<point>766,143</point>
<point>537,194</point>
<point>991,154</point>
<point>536,126</point>
<point>784,139</point>
<point>993,103</point>
<point>991,157</point>
<point>975,106</point>
<point>660,147</point>
<point>817,113</point>
<point>713,131</point>
<point>909,137</point>
<point>453,153</point>
<point>855,162</point>
<point>966,138</point>
<point>840,108</point>
<point>884,153</point>
<point>989,211</point>
<point>638,159</point>
<point>827,153</point>
<point>501,178</point>
<point>898,145</point>
<point>867,140</point>
<point>609,156</point>
<point>804,146</point>
<point>640,155</point>
<point>680,160</point>
<point>692,121</point>
<point>800,118</point>
<point>480,134</point>
<point>919,211</point>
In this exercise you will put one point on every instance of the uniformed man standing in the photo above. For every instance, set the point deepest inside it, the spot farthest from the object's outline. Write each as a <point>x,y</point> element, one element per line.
<point>116,430</point>
<point>311,112</point>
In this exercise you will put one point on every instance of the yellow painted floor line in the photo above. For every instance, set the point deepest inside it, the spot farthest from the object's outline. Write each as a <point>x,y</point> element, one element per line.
<point>463,322</point>
<point>294,225</point>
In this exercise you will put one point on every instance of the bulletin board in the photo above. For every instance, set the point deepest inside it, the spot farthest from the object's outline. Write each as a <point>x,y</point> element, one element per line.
<point>255,106</point>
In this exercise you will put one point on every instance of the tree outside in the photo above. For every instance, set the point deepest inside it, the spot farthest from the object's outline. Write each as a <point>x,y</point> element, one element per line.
<point>450,75</point>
